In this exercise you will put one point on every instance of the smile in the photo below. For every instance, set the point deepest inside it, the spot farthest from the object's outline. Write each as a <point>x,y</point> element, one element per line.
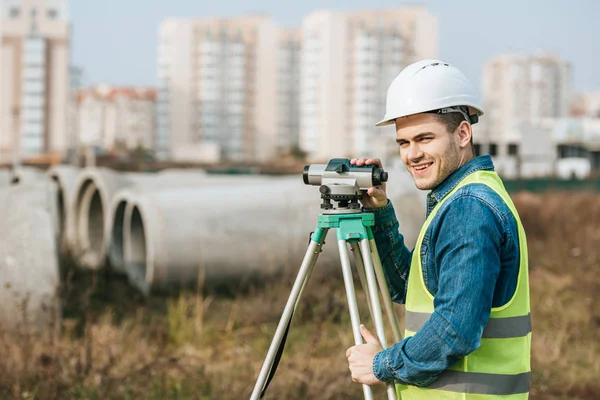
<point>421,167</point>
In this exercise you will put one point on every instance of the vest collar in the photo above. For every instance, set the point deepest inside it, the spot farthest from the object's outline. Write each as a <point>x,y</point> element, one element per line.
<point>440,191</point>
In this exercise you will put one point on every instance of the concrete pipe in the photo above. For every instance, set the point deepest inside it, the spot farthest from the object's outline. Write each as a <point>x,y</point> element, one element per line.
<point>173,235</point>
<point>119,204</point>
<point>92,221</point>
<point>66,177</point>
<point>29,275</point>
<point>167,179</point>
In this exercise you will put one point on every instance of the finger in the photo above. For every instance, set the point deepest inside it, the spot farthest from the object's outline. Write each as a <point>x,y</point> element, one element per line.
<point>369,337</point>
<point>348,352</point>
<point>375,161</point>
<point>361,161</point>
<point>353,161</point>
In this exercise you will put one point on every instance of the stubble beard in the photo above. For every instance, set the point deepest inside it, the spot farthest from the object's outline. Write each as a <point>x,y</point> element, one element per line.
<point>448,163</point>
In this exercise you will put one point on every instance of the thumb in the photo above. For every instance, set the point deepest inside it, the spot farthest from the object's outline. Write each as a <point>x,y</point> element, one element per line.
<point>376,193</point>
<point>368,336</point>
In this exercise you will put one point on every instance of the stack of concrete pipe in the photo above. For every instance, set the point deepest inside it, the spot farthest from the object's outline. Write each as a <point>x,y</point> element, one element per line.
<point>29,275</point>
<point>172,235</point>
<point>98,206</point>
<point>163,181</point>
<point>164,229</point>
<point>91,211</point>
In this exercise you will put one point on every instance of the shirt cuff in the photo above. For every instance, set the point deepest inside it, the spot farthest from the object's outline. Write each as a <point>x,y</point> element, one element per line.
<point>384,216</point>
<point>381,369</point>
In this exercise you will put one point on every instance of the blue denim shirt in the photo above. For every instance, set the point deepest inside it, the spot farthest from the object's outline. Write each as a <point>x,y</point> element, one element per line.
<point>470,261</point>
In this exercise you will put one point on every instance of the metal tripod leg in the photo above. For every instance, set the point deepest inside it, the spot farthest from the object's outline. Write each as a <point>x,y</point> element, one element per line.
<point>385,293</point>
<point>377,314</point>
<point>352,305</point>
<point>308,263</point>
<point>361,273</point>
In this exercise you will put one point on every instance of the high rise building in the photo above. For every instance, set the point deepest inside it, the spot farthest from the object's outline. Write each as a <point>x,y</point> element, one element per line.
<point>521,88</point>
<point>34,78</point>
<point>349,60</point>
<point>219,86</point>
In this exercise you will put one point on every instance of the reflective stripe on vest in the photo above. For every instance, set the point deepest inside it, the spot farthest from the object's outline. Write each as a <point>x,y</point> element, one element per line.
<point>479,383</point>
<point>496,328</point>
<point>500,367</point>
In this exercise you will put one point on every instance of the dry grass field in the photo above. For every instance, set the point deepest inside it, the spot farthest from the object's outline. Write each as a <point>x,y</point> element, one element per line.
<point>209,344</point>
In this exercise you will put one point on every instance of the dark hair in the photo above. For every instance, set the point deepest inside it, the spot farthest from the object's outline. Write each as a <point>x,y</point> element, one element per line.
<point>451,120</point>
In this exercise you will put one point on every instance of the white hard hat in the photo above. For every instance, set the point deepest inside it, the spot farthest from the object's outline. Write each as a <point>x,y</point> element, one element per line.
<point>430,86</point>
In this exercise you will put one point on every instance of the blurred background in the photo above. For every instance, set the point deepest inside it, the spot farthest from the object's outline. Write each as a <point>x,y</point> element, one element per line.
<point>153,212</point>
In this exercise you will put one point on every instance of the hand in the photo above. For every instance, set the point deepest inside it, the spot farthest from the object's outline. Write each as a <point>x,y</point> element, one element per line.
<point>376,196</point>
<point>360,359</point>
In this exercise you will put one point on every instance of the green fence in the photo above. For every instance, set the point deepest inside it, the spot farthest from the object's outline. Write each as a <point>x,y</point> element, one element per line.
<point>552,184</point>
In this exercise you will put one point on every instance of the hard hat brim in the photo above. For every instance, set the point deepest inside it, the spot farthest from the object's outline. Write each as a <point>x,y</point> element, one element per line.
<point>472,110</point>
<point>386,122</point>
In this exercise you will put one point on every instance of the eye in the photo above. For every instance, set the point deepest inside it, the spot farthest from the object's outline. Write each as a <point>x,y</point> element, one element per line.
<point>402,143</point>
<point>425,139</point>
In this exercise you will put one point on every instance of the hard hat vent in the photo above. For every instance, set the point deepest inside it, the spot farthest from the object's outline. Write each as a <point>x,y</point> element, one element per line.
<point>434,65</point>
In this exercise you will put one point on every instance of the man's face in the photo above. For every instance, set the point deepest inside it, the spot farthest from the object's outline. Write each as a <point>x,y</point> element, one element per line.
<point>428,151</point>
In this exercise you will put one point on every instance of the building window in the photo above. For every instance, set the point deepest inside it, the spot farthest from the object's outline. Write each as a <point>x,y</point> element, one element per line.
<point>493,149</point>
<point>477,149</point>
<point>513,149</point>
<point>52,13</point>
<point>572,150</point>
<point>15,12</point>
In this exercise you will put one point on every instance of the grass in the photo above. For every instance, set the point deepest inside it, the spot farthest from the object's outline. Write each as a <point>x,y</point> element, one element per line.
<point>210,343</point>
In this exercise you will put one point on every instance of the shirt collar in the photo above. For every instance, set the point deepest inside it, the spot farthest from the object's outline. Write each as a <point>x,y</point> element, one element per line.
<point>440,191</point>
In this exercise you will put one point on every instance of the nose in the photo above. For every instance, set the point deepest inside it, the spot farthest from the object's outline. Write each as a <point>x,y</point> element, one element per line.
<point>414,152</point>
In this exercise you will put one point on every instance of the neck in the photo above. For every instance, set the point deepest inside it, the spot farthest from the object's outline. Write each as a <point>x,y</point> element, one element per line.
<point>465,158</point>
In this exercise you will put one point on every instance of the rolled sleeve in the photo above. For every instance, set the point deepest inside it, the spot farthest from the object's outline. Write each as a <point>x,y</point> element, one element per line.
<point>385,217</point>
<point>381,367</point>
<point>395,256</point>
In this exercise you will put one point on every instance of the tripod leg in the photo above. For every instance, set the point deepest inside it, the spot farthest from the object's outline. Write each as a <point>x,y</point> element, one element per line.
<point>308,263</point>
<point>360,267</point>
<point>377,315</point>
<point>352,305</point>
<point>385,293</point>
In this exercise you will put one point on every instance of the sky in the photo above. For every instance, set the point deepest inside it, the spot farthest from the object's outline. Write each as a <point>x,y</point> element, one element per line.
<point>115,41</point>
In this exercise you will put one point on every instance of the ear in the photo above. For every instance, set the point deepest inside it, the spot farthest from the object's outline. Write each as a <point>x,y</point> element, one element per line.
<point>465,133</point>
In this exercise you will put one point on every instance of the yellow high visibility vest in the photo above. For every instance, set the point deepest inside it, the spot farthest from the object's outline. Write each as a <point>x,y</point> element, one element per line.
<point>500,367</point>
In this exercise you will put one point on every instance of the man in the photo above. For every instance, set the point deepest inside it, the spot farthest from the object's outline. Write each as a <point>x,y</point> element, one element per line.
<point>465,284</point>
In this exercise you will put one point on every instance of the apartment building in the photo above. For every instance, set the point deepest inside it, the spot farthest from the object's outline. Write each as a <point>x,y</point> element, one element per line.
<point>113,118</point>
<point>34,78</point>
<point>349,60</point>
<point>521,88</point>
<point>225,82</point>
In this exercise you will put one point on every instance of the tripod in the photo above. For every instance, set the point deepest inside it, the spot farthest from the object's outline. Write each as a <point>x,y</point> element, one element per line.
<point>353,228</point>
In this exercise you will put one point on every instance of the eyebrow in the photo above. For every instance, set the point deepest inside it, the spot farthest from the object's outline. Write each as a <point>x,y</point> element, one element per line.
<point>419,136</point>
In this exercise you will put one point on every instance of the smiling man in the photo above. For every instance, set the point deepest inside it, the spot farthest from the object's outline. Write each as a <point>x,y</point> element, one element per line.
<point>465,284</point>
